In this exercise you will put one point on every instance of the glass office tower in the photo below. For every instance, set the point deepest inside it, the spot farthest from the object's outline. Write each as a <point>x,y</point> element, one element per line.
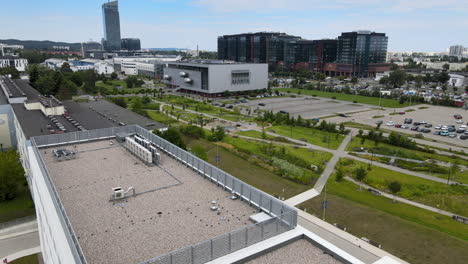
<point>111,22</point>
<point>360,49</point>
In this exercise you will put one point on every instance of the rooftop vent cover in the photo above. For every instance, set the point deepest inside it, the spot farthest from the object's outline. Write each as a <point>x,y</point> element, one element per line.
<point>118,193</point>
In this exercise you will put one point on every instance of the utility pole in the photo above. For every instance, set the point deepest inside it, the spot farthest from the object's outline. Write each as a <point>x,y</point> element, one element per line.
<point>324,203</point>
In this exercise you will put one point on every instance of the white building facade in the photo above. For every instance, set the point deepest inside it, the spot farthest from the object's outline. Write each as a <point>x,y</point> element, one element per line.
<point>458,79</point>
<point>216,77</point>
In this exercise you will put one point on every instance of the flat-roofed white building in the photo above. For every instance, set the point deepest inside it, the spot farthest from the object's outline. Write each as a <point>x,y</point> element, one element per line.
<point>13,62</point>
<point>213,77</point>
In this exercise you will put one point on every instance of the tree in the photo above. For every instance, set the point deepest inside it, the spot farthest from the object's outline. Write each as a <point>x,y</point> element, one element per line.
<point>446,66</point>
<point>65,67</point>
<point>11,175</point>
<point>113,76</point>
<point>360,174</point>
<point>120,101</point>
<point>397,78</point>
<point>10,71</point>
<point>66,90</point>
<point>172,135</point>
<point>218,134</point>
<point>394,187</point>
<point>146,100</point>
<point>354,80</point>
<point>33,74</point>
<point>339,175</point>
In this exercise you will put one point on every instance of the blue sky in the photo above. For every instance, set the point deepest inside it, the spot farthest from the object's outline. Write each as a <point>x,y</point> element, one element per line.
<point>412,25</point>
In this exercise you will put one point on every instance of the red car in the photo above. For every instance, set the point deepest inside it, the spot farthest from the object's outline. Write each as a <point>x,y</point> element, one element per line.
<point>458,116</point>
<point>401,113</point>
<point>398,125</point>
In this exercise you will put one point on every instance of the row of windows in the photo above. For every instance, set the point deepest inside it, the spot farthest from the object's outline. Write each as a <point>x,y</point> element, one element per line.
<point>239,78</point>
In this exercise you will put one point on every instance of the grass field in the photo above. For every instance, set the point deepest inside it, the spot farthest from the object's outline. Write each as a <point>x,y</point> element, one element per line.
<point>111,84</point>
<point>450,198</point>
<point>250,173</point>
<point>19,207</point>
<point>415,235</point>
<point>162,118</point>
<point>31,259</point>
<point>313,136</point>
<point>392,103</point>
<point>258,134</point>
<point>403,152</point>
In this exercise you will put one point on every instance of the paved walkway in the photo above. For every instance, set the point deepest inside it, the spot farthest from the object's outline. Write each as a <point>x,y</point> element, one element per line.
<point>403,200</point>
<point>19,241</point>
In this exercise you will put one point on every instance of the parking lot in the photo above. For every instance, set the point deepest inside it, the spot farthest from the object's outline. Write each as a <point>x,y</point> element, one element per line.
<point>434,115</point>
<point>307,107</point>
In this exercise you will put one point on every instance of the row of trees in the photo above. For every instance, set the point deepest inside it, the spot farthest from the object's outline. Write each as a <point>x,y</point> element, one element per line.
<point>398,78</point>
<point>286,119</point>
<point>63,83</point>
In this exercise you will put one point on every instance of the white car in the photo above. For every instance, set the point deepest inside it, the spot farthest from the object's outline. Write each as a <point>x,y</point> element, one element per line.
<point>444,128</point>
<point>459,121</point>
<point>463,127</point>
<point>390,123</point>
<point>438,127</point>
<point>404,126</point>
<point>423,122</point>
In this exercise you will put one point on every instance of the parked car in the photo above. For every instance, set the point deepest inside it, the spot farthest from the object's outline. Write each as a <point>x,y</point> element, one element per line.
<point>428,125</point>
<point>404,126</point>
<point>459,121</point>
<point>463,127</point>
<point>459,131</point>
<point>229,106</point>
<point>378,122</point>
<point>452,135</point>
<point>415,128</point>
<point>444,127</point>
<point>423,122</point>
<point>401,113</point>
<point>261,104</point>
<point>342,115</point>
<point>438,127</point>
<point>463,137</point>
<point>408,120</point>
<point>458,116</point>
<point>437,133</point>
<point>444,133</point>
<point>283,112</point>
<point>425,130</point>
<point>417,123</point>
<point>451,129</point>
<point>398,125</point>
<point>390,123</point>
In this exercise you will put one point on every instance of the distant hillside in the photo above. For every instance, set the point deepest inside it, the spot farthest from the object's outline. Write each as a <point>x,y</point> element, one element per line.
<point>41,44</point>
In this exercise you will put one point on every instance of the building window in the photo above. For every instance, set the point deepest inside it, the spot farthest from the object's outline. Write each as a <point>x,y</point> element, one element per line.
<point>240,77</point>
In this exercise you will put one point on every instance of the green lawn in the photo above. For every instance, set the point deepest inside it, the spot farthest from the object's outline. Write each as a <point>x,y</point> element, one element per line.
<point>19,207</point>
<point>162,118</point>
<point>348,97</point>
<point>413,234</point>
<point>249,172</point>
<point>31,259</point>
<point>259,135</point>
<point>450,198</point>
<point>312,135</point>
<point>387,149</point>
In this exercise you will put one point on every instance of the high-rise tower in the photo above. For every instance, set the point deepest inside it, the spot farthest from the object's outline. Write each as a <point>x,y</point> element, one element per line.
<point>111,22</point>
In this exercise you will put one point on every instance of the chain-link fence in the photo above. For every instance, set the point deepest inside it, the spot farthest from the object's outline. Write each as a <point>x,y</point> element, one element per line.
<point>283,216</point>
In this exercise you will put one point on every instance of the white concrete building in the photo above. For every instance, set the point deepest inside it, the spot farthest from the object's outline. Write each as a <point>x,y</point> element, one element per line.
<point>10,50</point>
<point>14,62</point>
<point>150,66</point>
<point>212,77</point>
<point>458,79</point>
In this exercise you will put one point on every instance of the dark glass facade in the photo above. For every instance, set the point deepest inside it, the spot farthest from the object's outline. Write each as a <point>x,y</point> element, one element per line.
<point>360,49</point>
<point>261,47</point>
<point>111,22</point>
<point>131,44</point>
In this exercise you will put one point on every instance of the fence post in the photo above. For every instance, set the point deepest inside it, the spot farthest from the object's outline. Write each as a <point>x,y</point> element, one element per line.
<point>191,251</point>
<point>260,203</point>
<point>261,227</point>
<point>271,205</point>
<point>241,191</point>
<point>211,242</point>
<point>229,242</point>
<point>246,236</point>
